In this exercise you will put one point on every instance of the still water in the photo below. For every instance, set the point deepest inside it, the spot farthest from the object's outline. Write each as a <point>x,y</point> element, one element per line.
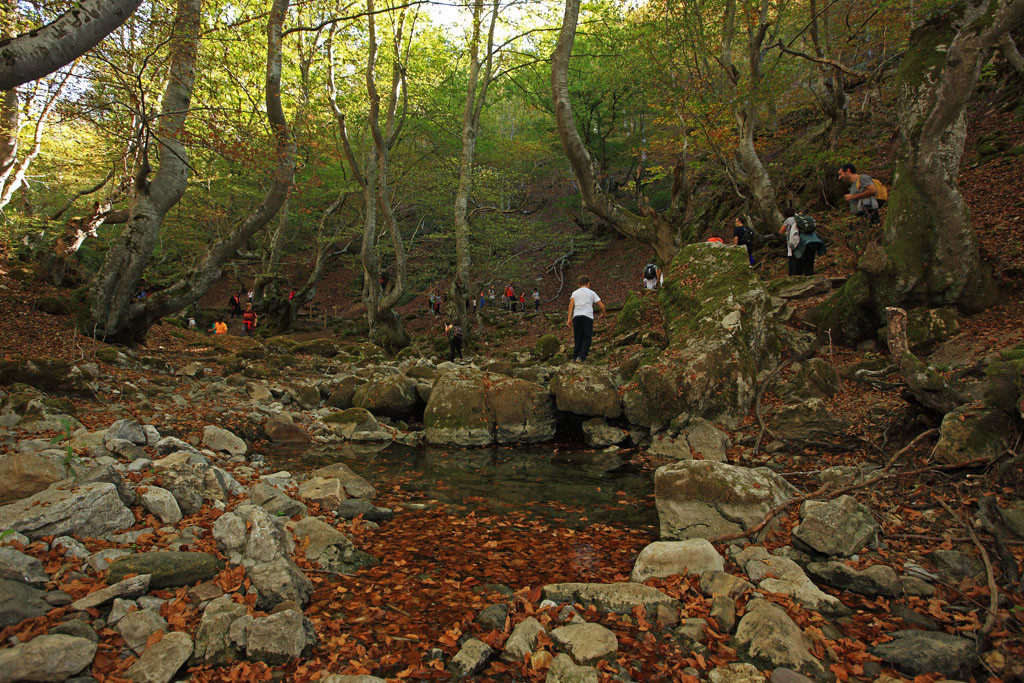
<point>571,486</point>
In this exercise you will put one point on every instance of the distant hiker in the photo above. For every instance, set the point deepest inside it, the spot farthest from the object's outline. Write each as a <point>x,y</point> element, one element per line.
<point>437,304</point>
<point>454,333</point>
<point>652,275</point>
<point>522,302</point>
<point>430,303</point>
<point>802,242</point>
<point>741,234</point>
<point>581,317</point>
<point>291,295</point>
<point>249,319</point>
<point>234,306</point>
<point>862,195</point>
<point>536,299</point>
<point>250,295</point>
<point>490,294</point>
<point>510,297</point>
<point>220,327</point>
<point>191,323</point>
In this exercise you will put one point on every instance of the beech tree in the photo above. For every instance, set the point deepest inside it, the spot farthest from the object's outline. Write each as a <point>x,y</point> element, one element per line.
<point>930,254</point>
<point>113,313</point>
<point>46,49</point>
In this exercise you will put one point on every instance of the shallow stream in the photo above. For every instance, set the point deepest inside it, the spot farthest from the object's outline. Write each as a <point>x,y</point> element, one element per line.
<point>570,486</point>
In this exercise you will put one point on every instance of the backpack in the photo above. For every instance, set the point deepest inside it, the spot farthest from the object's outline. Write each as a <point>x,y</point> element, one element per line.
<point>881,191</point>
<point>805,224</point>
<point>747,237</point>
<point>457,332</point>
<point>650,271</point>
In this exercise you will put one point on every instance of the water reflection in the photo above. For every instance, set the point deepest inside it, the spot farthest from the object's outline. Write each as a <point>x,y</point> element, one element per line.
<point>572,486</point>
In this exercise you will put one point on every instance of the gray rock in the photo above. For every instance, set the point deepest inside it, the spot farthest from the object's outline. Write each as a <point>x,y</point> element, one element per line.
<point>585,643</point>
<point>838,527</point>
<point>75,628</point>
<point>665,558</point>
<point>128,588</point>
<point>955,565</point>
<point>921,652</point>
<point>720,583</point>
<point>353,507</point>
<point>162,660</point>
<point>470,658</point>
<point>706,440</point>
<point>72,548</point>
<point>703,499</point>
<point>280,428</point>
<point>492,617</point>
<point>167,569</point>
<point>598,434</point>
<point>393,396</point>
<point>800,286</point>
<point>46,658</point>
<point>355,485</point>
<point>120,609</point>
<point>137,627</point>
<point>1013,517</point>
<point>249,533</point>
<point>620,598</point>
<point>328,493</point>
<point>278,638</point>
<point>723,611</point>
<point>218,439</point>
<point>877,579</point>
<point>23,474</point>
<point>668,446</point>
<point>171,444</point>
<point>19,602</point>
<point>783,575</point>
<point>279,580</point>
<point>809,419</point>
<point>523,640</point>
<point>100,562</point>
<point>127,430</point>
<point>330,548</point>
<point>213,642</point>
<point>275,501</point>
<point>586,390</point>
<point>17,566</point>
<point>105,473</point>
<point>161,503</point>
<point>89,510</point>
<point>768,638</point>
<point>563,670</point>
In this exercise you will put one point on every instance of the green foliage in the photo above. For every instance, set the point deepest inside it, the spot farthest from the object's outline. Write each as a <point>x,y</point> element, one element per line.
<point>70,458</point>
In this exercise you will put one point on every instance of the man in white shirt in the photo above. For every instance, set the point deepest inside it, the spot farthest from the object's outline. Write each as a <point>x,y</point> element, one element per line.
<point>581,317</point>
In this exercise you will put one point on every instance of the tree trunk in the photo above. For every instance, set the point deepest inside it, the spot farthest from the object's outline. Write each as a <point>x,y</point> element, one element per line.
<point>470,127</point>
<point>112,290</point>
<point>135,319</point>
<point>649,229</point>
<point>43,50</point>
<point>931,255</point>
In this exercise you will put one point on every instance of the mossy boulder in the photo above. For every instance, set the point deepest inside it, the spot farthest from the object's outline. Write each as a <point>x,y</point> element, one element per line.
<point>394,396</point>
<point>48,374</point>
<point>704,499</point>
<point>927,327</point>
<point>468,407</point>
<point>1005,386</point>
<point>722,333</point>
<point>346,423</point>
<point>809,419</point>
<point>546,347</point>
<point>344,391</point>
<point>815,378</point>
<point>53,305</point>
<point>166,569</point>
<point>586,390</point>
<point>968,434</point>
<point>324,348</point>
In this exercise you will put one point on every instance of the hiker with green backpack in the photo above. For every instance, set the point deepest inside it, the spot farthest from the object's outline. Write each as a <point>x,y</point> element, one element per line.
<point>802,241</point>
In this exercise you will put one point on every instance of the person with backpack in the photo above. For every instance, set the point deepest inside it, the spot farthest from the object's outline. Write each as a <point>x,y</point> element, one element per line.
<point>866,195</point>
<point>652,276</point>
<point>454,334</point>
<point>581,317</point>
<point>741,234</point>
<point>802,241</point>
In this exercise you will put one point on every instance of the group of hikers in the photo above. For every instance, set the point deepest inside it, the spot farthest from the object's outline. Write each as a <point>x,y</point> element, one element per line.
<point>510,301</point>
<point>235,310</point>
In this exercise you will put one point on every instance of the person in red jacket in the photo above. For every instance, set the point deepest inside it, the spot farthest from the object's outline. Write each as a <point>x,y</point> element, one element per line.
<point>249,319</point>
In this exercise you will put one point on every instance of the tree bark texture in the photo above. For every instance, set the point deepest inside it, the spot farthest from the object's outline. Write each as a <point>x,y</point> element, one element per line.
<point>111,292</point>
<point>650,229</point>
<point>43,50</point>
<point>931,255</point>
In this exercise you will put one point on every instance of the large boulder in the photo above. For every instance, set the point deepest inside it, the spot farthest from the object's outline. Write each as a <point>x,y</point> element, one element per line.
<point>24,474</point>
<point>837,527</point>
<point>275,639</point>
<point>48,374</point>
<point>162,660</point>
<point>809,419</point>
<point>19,602</point>
<point>344,391</point>
<point>704,499</point>
<point>213,641</point>
<point>768,638</point>
<point>923,652</point>
<point>782,575</point>
<point>355,485</point>
<point>46,658</point>
<point>665,558</point>
<point>89,510</point>
<point>392,396</point>
<point>330,548</point>
<point>586,390</point>
<point>219,439</point>
<point>472,408</point>
<point>968,434</point>
<point>280,428</point>
<point>722,333</point>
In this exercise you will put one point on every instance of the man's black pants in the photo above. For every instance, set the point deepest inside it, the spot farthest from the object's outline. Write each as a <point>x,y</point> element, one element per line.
<point>583,333</point>
<point>455,348</point>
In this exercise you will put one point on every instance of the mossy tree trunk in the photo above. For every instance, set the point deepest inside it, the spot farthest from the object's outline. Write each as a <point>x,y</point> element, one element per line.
<point>930,254</point>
